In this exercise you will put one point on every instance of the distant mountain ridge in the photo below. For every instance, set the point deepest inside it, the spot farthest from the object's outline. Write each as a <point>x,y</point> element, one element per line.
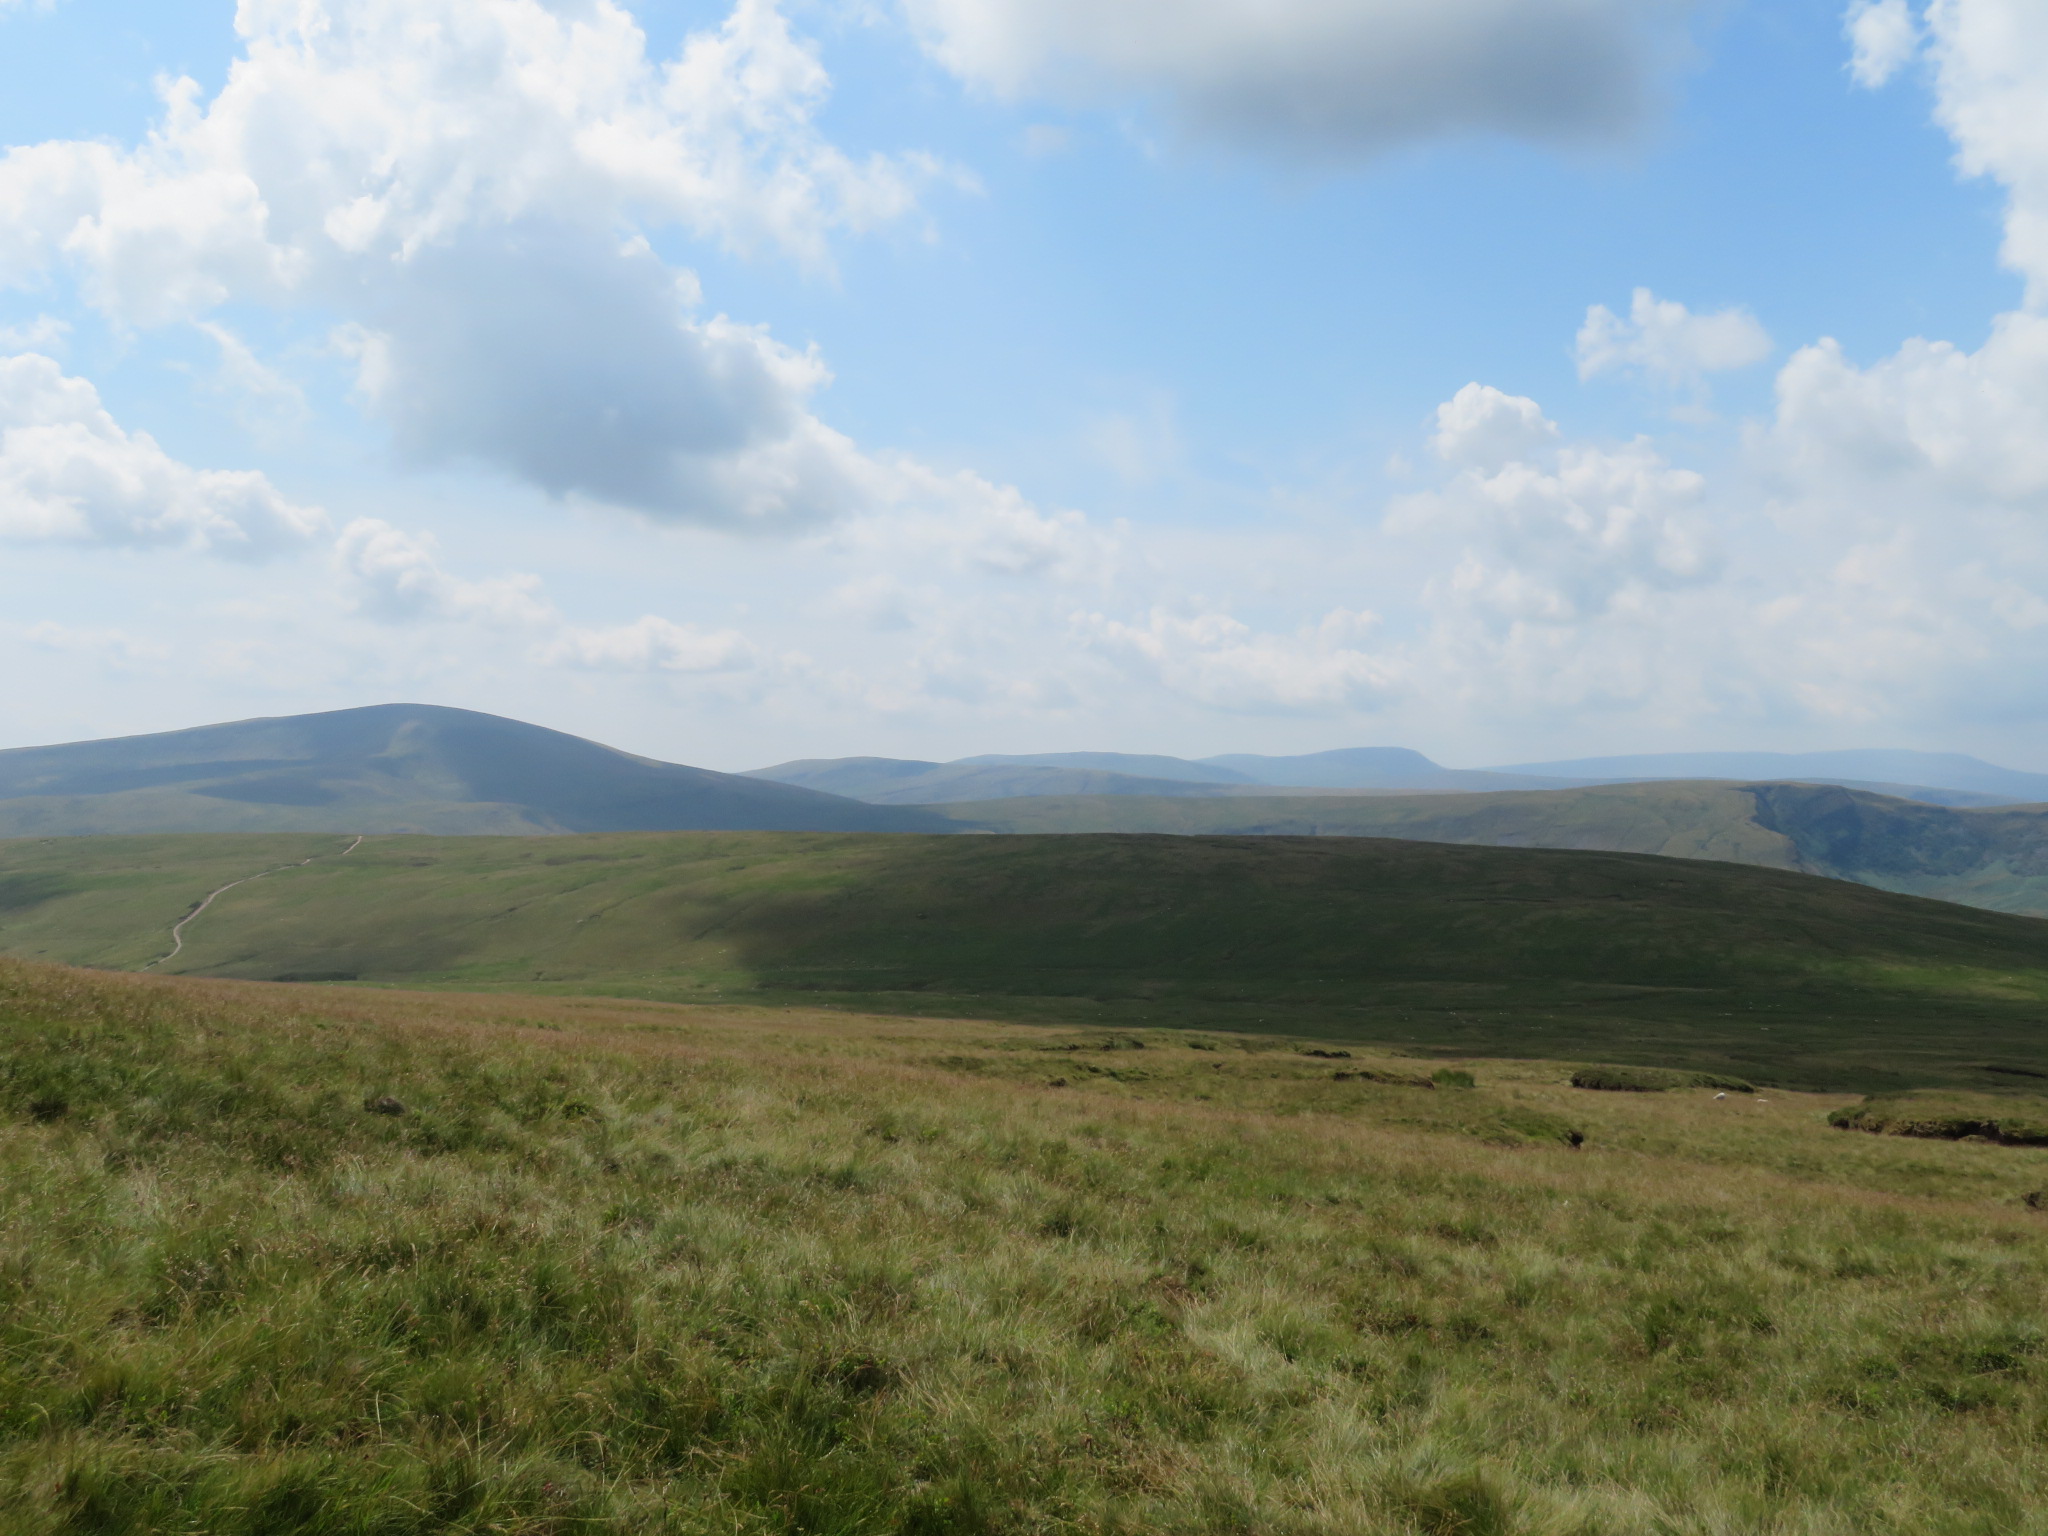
<point>1936,778</point>
<point>430,769</point>
<point>1378,768</point>
<point>1139,765</point>
<point>903,781</point>
<point>397,768</point>
<point>1852,769</point>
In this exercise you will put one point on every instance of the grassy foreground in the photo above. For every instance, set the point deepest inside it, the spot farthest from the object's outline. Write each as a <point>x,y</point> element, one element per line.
<point>1760,974</point>
<point>635,1268</point>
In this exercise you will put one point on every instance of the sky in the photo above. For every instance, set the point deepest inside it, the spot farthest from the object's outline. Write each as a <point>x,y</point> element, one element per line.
<point>1505,379</point>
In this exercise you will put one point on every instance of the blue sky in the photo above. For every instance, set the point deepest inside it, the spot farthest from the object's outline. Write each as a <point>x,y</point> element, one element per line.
<point>931,377</point>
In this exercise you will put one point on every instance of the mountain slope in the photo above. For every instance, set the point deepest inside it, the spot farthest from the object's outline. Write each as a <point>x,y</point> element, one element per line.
<point>1528,952</point>
<point>1714,821</point>
<point>1878,769</point>
<point>1992,857</point>
<point>394,768</point>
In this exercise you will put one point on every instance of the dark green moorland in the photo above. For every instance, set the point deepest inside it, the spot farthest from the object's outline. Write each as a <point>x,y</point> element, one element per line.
<point>1770,976</point>
<point>1994,856</point>
<point>315,1261</point>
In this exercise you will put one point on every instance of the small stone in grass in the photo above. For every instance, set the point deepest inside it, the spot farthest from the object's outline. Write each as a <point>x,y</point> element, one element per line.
<point>2035,1199</point>
<point>383,1104</point>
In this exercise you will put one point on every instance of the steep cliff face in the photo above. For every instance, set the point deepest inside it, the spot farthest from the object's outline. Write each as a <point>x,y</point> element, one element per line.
<point>1852,833</point>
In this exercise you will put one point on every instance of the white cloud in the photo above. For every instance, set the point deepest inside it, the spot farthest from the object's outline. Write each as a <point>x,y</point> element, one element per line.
<point>380,128</point>
<point>878,601</point>
<point>1326,76</point>
<point>1935,436</point>
<point>576,368</point>
<point>1883,36</point>
<point>263,396</point>
<point>465,182</point>
<point>45,333</point>
<point>1668,342</point>
<point>398,578</point>
<point>975,527</point>
<point>70,473</point>
<point>1482,427</point>
<point>651,644</point>
<point>1991,71</point>
<point>1218,660</point>
<point>1933,427</point>
<point>1907,496</point>
<point>1548,531</point>
<point>115,645</point>
<point>1875,553</point>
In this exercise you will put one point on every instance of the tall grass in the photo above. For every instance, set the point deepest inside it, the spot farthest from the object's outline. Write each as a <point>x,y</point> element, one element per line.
<point>624,1268</point>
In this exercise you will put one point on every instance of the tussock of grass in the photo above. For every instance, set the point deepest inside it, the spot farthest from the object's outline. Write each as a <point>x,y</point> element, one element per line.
<point>2008,1118</point>
<point>626,1268</point>
<point>1654,1080</point>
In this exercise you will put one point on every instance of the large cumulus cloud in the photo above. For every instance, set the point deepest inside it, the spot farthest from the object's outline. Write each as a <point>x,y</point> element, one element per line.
<point>70,473</point>
<point>1327,77</point>
<point>466,185</point>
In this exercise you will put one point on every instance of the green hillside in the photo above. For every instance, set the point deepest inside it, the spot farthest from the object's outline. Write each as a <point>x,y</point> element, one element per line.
<point>300,1261</point>
<point>1704,821</point>
<point>1766,974</point>
<point>1993,857</point>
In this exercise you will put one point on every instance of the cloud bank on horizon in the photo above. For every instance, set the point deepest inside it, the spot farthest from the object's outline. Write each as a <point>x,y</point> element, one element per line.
<point>471,350</point>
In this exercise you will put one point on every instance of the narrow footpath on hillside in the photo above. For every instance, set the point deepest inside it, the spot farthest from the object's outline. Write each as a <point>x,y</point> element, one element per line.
<point>178,928</point>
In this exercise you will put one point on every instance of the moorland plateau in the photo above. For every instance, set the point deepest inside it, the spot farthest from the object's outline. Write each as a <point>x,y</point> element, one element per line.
<point>312,1261</point>
<point>1993,857</point>
<point>1772,975</point>
<point>849,1183</point>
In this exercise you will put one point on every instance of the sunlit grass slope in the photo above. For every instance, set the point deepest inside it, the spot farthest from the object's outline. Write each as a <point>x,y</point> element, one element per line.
<point>624,1267</point>
<point>1766,975</point>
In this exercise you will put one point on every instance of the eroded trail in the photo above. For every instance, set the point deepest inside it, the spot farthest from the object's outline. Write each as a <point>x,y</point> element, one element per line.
<point>178,928</point>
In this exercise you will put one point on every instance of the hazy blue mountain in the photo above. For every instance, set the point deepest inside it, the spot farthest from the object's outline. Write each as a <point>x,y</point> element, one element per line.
<point>396,768</point>
<point>853,777</point>
<point>1137,764</point>
<point>1377,768</point>
<point>901,781</point>
<point>999,776</point>
<point>1858,769</point>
